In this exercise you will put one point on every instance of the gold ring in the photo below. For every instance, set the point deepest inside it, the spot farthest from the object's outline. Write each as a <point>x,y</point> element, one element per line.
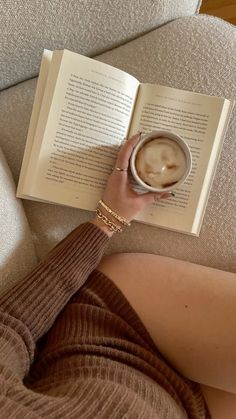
<point>119,169</point>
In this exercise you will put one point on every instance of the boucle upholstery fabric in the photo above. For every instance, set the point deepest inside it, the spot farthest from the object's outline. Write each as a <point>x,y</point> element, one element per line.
<point>17,253</point>
<point>88,27</point>
<point>195,53</point>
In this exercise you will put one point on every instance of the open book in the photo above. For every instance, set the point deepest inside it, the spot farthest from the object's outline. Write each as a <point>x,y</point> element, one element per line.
<point>83,110</point>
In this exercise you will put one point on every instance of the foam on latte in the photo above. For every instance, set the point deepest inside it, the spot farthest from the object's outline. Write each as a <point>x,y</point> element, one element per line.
<point>160,162</point>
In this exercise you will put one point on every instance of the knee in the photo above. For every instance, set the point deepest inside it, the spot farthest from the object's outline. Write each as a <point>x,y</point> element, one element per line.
<point>114,263</point>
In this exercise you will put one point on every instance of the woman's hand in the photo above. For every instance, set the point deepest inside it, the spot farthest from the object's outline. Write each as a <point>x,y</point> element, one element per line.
<point>119,195</point>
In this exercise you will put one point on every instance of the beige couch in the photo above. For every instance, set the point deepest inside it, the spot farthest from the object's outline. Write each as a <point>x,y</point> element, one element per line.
<point>161,41</point>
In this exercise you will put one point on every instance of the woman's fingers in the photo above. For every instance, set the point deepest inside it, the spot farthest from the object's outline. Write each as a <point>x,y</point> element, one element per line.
<point>125,152</point>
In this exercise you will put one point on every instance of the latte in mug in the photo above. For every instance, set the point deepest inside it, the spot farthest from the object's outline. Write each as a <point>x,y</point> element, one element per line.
<point>161,161</point>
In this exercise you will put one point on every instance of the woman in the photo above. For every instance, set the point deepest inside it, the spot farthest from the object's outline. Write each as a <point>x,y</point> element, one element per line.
<point>127,336</point>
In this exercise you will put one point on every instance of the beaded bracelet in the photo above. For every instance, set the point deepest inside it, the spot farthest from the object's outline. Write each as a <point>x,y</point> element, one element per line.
<point>112,227</point>
<point>114,214</point>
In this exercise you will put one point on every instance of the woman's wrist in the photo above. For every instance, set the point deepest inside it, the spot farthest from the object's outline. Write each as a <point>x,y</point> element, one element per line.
<point>100,224</point>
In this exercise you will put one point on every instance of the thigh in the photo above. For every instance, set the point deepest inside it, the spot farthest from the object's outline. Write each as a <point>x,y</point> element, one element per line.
<point>189,311</point>
<point>221,404</point>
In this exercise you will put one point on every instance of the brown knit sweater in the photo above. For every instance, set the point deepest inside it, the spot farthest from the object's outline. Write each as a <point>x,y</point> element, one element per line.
<point>71,349</point>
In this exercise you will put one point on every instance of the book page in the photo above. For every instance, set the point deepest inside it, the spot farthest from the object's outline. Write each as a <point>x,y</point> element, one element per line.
<point>89,113</point>
<point>200,121</point>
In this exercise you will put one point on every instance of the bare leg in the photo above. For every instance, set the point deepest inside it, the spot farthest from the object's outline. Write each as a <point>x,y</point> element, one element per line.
<point>222,405</point>
<point>189,310</point>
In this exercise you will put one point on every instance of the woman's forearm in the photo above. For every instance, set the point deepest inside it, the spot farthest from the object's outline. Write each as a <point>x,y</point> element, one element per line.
<point>37,299</point>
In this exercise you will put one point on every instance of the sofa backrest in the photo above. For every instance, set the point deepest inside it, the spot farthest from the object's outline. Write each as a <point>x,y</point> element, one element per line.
<point>85,26</point>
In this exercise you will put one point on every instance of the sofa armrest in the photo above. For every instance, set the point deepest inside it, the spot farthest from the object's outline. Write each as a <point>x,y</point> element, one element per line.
<point>85,26</point>
<point>17,252</point>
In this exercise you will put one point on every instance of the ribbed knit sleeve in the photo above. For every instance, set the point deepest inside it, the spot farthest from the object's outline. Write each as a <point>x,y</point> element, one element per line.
<point>28,310</point>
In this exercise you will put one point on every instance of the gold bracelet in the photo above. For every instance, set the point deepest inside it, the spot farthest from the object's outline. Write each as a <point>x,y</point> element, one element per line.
<point>112,227</point>
<point>115,215</point>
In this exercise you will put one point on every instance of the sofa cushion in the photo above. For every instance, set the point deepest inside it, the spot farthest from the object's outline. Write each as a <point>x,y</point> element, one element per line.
<point>88,27</point>
<point>195,53</point>
<point>17,253</point>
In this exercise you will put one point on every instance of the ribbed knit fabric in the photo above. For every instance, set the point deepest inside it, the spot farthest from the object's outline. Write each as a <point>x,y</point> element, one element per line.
<point>95,358</point>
